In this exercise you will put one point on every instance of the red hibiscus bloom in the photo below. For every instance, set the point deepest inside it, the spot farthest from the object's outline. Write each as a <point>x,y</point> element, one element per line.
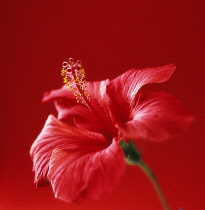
<point>78,152</point>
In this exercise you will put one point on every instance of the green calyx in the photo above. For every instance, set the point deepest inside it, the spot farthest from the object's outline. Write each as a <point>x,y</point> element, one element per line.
<point>132,156</point>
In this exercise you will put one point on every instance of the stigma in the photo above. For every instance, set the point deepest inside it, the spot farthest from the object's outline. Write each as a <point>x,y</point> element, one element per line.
<point>74,77</point>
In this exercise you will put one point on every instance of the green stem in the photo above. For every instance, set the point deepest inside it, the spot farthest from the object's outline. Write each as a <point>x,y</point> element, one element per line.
<point>153,179</point>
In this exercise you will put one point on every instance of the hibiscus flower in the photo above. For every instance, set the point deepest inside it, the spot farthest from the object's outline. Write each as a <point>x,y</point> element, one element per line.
<point>81,153</point>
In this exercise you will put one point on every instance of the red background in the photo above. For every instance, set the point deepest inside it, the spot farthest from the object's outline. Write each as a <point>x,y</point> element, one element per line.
<point>109,37</point>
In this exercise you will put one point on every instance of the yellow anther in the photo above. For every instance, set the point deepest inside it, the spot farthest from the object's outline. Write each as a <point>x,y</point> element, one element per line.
<point>70,88</point>
<point>74,77</point>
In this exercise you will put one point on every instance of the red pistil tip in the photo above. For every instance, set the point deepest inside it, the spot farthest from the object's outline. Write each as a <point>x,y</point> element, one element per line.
<point>71,60</point>
<point>74,77</point>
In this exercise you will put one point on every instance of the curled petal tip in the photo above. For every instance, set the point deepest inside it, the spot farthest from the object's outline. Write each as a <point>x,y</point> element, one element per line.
<point>45,97</point>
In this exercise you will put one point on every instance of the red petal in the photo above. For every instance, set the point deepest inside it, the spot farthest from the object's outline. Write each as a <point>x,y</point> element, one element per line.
<point>57,134</point>
<point>157,116</point>
<point>64,102</point>
<point>101,120</point>
<point>101,105</point>
<point>123,89</point>
<point>77,174</point>
<point>59,93</point>
<point>70,111</point>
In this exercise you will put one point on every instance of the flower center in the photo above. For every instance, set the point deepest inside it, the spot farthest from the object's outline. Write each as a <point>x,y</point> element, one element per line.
<point>74,77</point>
